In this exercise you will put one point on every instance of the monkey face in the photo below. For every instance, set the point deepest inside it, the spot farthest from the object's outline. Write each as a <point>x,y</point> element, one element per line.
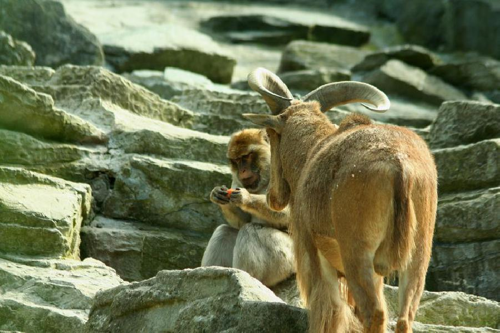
<point>247,170</point>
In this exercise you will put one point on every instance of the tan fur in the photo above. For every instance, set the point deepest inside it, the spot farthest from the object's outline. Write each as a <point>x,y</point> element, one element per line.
<point>373,189</point>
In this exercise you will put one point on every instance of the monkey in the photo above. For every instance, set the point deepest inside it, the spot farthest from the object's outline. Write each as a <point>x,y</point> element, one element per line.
<point>255,238</point>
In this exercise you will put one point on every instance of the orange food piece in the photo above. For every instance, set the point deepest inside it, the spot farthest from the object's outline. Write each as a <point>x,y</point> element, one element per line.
<point>229,192</point>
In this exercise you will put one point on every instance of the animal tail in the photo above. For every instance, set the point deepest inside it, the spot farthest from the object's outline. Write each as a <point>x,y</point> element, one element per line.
<point>403,238</point>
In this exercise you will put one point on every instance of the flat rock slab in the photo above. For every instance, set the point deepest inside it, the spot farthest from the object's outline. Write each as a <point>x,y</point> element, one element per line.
<point>481,74</point>
<point>470,267</point>
<point>267,29</point>
<point>45,212</point>
<point>167,192</point>
<point>18,102</point>
<point>50,295</point>
<point>300,55</point>
<point>54,36</point>
<point>461,123</point>
<point>138,251</point>
<point>14,52</point>
<point>470,167</point>
<point>308,80</point>
<point>204,299</point>
<point>395,77</point>
<point>168,46</point>
<point>413,55</point>
<point>468,216</point>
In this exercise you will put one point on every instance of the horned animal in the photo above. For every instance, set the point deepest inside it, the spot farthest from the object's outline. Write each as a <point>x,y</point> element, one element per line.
<point>362,200</point>
<point>255,238</point>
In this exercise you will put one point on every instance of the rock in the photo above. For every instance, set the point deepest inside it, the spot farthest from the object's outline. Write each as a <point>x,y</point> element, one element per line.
<point>470,267</point>
<point>168,193</point>
<point>308,80</point>
<point>50,295</point>
<point>31,76</point>
<point>266,29</point>
<point>19,103</point>
<point>402,112</point>
<point>413,55</point>
<point>479,73</point>
<point>14,52</point>
<point>462,123</point>
<point>44,212</point>
<point>220,112</point>
<point>54,36</point>
<point>170,83</point>
<point>168,46</point>
<point>468,167</point>
<point>70,85</point>
<point>204,299</point>
<point>468,217</point>
<point>300,55</point>
<point>438,311</point>
<point>138,251</point>
<point>452,309</point>
<point>395,77</point>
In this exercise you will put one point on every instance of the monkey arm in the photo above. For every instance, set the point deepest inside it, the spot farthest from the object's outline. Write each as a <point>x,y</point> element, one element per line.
<point>256,204</point>
<point>235,216</point>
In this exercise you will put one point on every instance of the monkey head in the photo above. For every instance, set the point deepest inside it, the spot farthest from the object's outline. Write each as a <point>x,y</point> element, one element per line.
<point>250,157</point>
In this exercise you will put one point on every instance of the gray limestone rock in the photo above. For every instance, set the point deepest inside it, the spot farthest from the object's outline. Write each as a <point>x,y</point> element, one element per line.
<point>54,36</point>
<point>300,55</point>
<point>168,46</point>
<point>19,103</point>
<point>46,213</point>
<point>461,123</point>
<point>468,167</point>
<point>14,52</point>
<point>50,295</point>
<point>138,251</point>
<point>205,299</point>
<point>395,77</point>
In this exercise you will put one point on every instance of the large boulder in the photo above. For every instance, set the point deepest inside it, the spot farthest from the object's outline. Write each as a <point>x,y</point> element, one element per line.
<point>168,46</point>
<point>470,167</point>
<point>19,103</point>
<point>473,72</point>
<point>167,192</point>
<point>413,55</point>
<point>54,36</point>
<point>46,213</point>
<point>300,55</point>
<point>462,123</point>
<point>14,52</point>
<point>50,295</point>
<point>138,251</point>
<point>273,30</point>
<point>398,78</point>
<point>200,300</point>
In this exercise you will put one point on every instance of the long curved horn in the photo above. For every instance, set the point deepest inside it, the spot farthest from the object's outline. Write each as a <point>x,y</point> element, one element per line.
<point>272,89</point>
<point>339,93</point>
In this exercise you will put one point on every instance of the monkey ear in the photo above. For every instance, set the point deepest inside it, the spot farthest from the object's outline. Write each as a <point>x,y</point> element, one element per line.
<point>265,120</point>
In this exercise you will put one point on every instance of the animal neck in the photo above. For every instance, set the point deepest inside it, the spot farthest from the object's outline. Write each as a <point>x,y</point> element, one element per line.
<point>300,140</point>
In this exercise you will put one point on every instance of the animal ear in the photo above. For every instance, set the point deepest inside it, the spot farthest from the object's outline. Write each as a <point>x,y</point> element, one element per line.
<point>265,120</point>
<point>278,193</point>
<point>340,93</point>
<point>271,88</point>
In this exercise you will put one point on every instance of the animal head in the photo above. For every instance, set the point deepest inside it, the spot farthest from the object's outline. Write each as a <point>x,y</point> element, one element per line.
<point>287,110</point>
<point>249,156</point>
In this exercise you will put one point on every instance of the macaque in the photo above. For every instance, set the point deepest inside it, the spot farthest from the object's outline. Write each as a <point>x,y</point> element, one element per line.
<point>255,239</point>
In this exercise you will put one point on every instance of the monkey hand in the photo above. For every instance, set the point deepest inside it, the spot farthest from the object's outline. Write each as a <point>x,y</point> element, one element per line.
<point>239,197</point>
<point>219,195</point>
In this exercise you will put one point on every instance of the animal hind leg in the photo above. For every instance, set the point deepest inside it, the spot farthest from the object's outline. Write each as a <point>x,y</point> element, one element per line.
<point>367,288</point>
<point>219,251</point>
